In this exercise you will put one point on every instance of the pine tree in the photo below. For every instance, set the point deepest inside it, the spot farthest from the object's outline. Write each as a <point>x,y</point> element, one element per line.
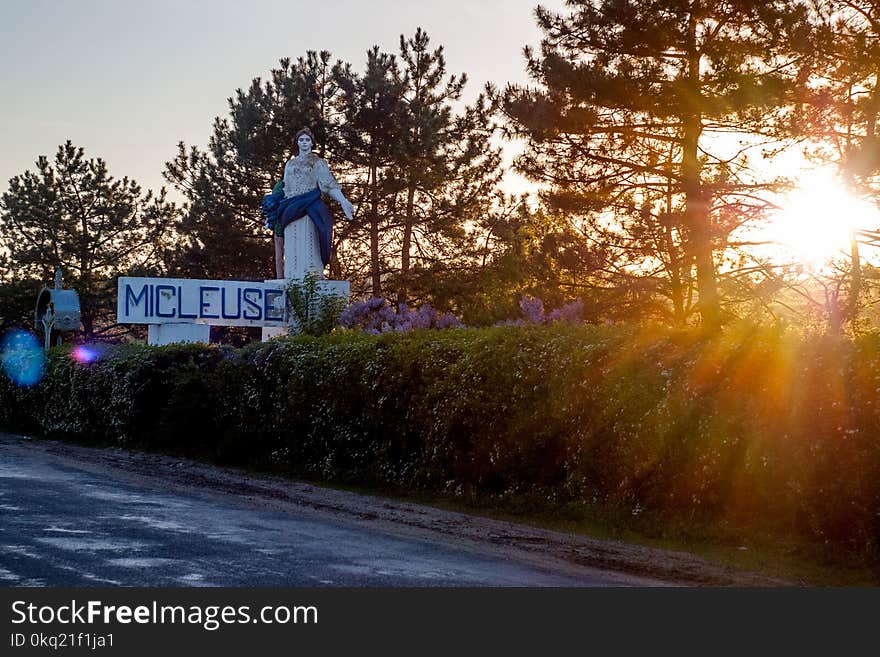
<point>72,214</point>
<point>371,141</point>
<point>426,114</point>
<point>635,98</point>
<point>840,112</point>
<point>452,169</point>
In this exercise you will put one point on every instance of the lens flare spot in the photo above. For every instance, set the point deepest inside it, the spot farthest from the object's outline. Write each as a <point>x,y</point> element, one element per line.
<point>84,355</point>
<point>22,359</point>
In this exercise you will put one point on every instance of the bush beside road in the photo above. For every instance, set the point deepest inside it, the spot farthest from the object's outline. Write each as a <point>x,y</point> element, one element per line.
<point>757,431</point>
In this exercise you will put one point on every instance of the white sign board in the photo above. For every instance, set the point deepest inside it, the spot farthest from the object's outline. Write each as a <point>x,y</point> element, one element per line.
<point>187,300</point>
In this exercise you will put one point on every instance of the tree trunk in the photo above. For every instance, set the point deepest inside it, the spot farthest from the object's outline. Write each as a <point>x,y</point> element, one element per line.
<point>676,288</point>
<point>855,280</point>
<point>374,232</point>
<point>697,201</point>
<point>403,290</point>
<point>673,251</point>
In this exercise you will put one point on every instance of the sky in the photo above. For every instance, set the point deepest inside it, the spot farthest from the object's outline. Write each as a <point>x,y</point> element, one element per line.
<point>128,79</point>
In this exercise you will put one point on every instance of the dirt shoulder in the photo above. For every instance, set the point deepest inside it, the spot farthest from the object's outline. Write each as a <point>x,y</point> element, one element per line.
<point>562,551</point>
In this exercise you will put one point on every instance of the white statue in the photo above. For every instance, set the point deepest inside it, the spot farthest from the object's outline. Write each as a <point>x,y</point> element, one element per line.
<point>298,216</point>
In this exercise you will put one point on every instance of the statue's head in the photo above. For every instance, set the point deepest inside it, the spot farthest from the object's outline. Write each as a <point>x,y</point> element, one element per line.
<point>305,141</point>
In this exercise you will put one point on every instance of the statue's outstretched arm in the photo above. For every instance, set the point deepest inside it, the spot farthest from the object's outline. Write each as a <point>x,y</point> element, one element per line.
<point>337,195</point>
<point>328,184</point>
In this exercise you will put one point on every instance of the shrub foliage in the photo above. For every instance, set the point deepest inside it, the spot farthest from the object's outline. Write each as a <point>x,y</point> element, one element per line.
<point>756,427</point>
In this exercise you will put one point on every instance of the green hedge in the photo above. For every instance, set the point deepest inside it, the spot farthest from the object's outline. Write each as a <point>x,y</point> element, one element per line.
<point>758,428</point>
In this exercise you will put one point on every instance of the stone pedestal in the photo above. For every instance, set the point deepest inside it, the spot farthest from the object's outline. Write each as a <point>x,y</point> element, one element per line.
<point>325,286</point>
<point>302,254</point>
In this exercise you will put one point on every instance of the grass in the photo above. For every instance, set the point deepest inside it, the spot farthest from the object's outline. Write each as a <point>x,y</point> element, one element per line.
<point>792,559</point>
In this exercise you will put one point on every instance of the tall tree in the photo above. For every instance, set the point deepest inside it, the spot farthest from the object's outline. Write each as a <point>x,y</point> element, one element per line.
<point>840,115</point>
<point>639,102</point>
<point>447,161</point>
<point>422,173</point>
<point>71,213</point>
<point>371,140</point>
<point>427,116</point>
<point>427,162</point>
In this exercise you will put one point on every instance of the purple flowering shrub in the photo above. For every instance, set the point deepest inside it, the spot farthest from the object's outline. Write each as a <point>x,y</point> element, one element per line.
<point>532,309</point>
<point>533,313</point>
<point>571,313</point>
<point>376,315</point>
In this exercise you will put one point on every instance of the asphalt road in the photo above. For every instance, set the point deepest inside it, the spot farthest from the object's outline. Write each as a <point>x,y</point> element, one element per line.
<point>65,525</point>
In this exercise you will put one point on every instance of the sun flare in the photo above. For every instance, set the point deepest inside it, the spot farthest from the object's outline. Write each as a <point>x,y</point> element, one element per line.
<point>816,220</point>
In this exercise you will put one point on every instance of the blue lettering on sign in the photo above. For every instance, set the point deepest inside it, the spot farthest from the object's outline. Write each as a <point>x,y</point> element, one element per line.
<point>159,289</point>
<point>252,303</point>
<point>180,303</point>
<point>150,299</point>
<point>130,297</point>
<point>223,304</point>
<point>204,305</point>
<point>270,313</point>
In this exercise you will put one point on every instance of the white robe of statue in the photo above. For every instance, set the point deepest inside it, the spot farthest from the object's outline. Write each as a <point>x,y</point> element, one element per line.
<point>302,247</point>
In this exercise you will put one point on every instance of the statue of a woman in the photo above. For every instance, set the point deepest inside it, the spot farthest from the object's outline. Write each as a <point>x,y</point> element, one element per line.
<point>295,211</point>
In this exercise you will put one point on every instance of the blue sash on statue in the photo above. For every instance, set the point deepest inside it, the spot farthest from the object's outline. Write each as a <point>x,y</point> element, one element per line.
<point>280,211</point>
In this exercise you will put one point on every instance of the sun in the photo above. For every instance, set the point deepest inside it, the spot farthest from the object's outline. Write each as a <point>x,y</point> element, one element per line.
<point>816,220</point>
